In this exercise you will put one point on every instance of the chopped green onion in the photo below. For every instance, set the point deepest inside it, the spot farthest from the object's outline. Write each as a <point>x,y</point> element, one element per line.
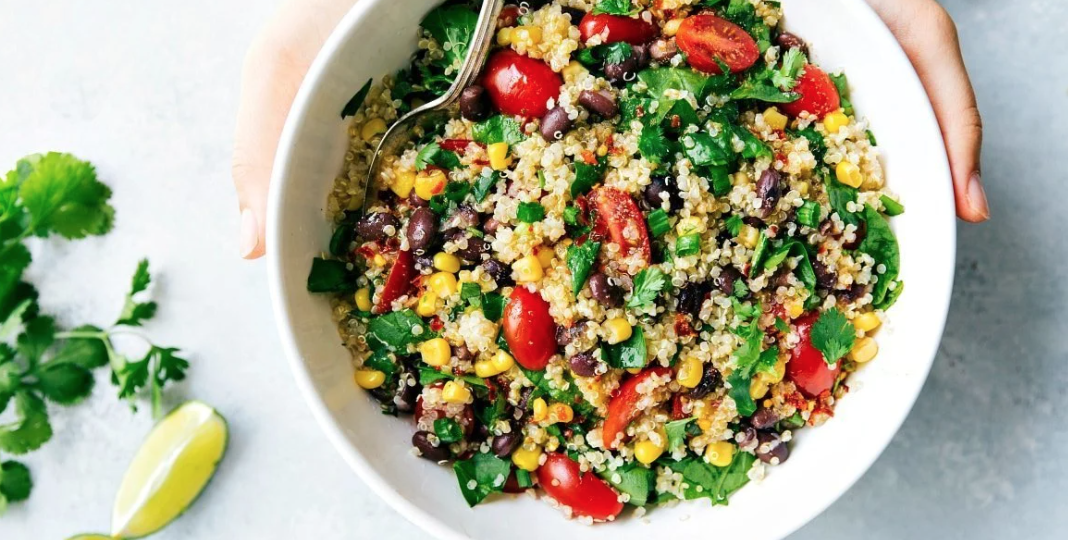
<point>658,222</point>
<point>688,245</point>
<point>809,214</point>
<point>892,207</point>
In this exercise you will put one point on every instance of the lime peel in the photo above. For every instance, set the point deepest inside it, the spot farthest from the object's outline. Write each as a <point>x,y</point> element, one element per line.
<point>172,467</point>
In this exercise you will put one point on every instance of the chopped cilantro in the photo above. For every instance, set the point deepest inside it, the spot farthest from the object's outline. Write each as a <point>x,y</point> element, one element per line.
<point>676,432</point>
<point>530,212</point>
<point>580,261</point>
<point>433,154</point>
<point>833,335</point>
<point>613,7</point>
<point>497,129</point>
<point>647,286</point>
<point>484,184</point>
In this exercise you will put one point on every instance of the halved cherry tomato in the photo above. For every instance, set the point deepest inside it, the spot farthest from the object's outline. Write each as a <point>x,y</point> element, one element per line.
<point>529,329</point>
<point>584,492</point>
<point>520,85</point>
<point>457,145</point>
<point>818,94</point>
<point>706,38</point>
<point>623,408</point>
<point>806,367</point>
<point>398,281</point>
<point>509,15</point>
<point>618,216</point>
<point>614,28</point>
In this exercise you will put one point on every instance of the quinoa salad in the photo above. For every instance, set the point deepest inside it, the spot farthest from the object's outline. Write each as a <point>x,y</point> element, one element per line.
<point>650,246</point>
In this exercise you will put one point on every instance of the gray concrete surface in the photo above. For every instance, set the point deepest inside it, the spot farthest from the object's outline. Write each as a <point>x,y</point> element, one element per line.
<point>148,91</point>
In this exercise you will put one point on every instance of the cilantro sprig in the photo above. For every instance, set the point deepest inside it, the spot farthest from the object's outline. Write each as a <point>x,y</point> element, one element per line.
<point>47,195</point>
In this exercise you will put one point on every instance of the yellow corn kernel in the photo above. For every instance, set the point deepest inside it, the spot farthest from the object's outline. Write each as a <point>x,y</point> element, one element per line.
<point>502,361</point>
<point>529,34</point>
<point>435,352</point>
<point>369,379</point>
<point>455,392</point>
<point>672,27</point>
<point>428,304</point>
<point>748,236</point>
<point>527,458</point>
<point>372,128</point>
<point>634,370</point>
<point>541,410</point>
<point>867,322</point>
<point>690,372</point>
<point>560,412</point>
<point>447,262</point>
<point>504,36</point>
<point>758,388</point>
<point>363,299</point>
<point>705,424</point>
<point>835,121</point>
<point>849,174</point>
<point>740,178</point>
<point>719,453</point>
<point>617,330</point>
<point>528,269</point>
<point>379,260</point>
<point>803,187</point>
<point>864,350</point>
<point>573,71</point>
<point>498,156</point>
<point>443,283</point>
<point>602,150</point>
<point>691,225</point>
<point>403,183</point>
<point>647,451</point>
<point>545,256</point>
<point>430,183</point>
<point>485,369</point>
<point>775,119</point>
<point>794,308</point>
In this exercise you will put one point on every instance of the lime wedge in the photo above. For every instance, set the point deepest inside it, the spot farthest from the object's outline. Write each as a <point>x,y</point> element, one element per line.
<point>91,536</point>
<point>175,462</point>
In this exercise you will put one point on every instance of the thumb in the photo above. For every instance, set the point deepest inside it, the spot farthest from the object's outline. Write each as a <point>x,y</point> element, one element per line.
<point>929,37</point>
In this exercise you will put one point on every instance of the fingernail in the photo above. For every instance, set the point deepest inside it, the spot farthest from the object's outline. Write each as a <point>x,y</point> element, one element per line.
<point>250,233</point>
<point>977,196</point>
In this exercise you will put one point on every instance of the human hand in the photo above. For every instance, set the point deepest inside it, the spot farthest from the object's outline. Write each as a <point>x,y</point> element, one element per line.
<point>280,56</point>
<point>274,67</point>
<point>929,37</point>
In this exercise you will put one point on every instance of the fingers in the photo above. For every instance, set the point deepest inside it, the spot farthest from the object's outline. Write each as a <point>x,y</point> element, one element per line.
<point>275,66</point>
<point>929,37</point>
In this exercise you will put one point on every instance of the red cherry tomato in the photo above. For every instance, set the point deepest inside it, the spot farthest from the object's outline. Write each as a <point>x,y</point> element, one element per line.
<point>818,94</point>
<point>806,367</point>
<point>585,493</point>
<point>623,408</point>
<point>520,85</point>
<point>508,16</point>
<point>529,329</point>
<point>398,281</point>
<point>618,215</point>
<point>706,38</point>
<point>614,28</point>
<point>457,145</point>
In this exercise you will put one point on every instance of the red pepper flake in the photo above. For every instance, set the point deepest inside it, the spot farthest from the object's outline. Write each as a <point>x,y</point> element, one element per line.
<point>676,121</point>
<point>589,158</point>
<point>683,328</point>
<point>436,324</point>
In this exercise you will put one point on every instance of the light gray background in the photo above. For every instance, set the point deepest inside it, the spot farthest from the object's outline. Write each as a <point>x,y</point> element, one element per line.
<point>148,92</point>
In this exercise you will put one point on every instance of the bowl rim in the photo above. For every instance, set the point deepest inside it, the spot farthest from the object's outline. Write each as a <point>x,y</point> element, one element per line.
<point>312,82</point>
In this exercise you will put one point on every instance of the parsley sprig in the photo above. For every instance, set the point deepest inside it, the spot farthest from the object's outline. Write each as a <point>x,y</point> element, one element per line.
<point>59,195</point>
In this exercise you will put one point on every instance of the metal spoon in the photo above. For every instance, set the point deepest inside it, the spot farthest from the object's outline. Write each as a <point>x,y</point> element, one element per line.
<point>437,111</point>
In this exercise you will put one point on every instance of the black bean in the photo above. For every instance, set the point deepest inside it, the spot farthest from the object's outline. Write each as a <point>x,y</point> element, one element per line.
<point>475,250</point>
<point>764,418</point>
<point>584,364</point>
<point>619,73</point>
<point>475,104</point>
<point>406,394</point>
<point>771,448</point>
<point>463,354</point>
<point>789,41</point>
<point>753,221</point>
<point>691,297</point>
<point>601,102</point>
<point>421,440</point>
<point>490,226</point>
<point>748,436</point>
<point>463,217</point>
<point>711,379</point>
<point>504,444</point>
<point>641,54</point>
<point>602,290</point>
<point>416,201</point>
<point>861,233</point>
<point>655,191</point>
<point>851,294</point>
<point>769,189</point>
<point>825,277</point>
<point>567,334</point>
<point>555,124</point>
<point>500,272</point>
<point>424,261</point>
<point>523,403</point>
<point>373,226</point>
<point>663,50</point>
<point>728,276</point>
<point>421,229</point>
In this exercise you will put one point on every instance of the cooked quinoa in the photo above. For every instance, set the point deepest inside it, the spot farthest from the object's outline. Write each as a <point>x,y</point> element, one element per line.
<point>625,276</point>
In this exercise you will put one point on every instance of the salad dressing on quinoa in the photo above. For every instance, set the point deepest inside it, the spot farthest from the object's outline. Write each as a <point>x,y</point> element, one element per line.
<point>651,245</point>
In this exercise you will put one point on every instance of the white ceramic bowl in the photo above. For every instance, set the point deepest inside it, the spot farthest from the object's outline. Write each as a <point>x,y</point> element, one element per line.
<point>377,37</point>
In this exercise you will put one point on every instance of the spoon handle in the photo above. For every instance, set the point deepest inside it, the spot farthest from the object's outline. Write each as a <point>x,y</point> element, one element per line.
<point>481,41</point>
